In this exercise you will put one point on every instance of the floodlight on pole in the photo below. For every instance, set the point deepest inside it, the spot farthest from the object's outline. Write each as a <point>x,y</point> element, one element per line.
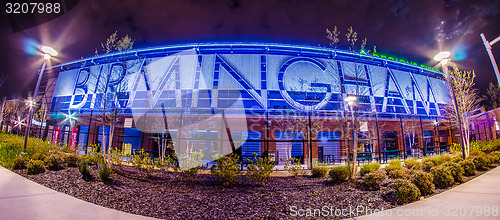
<point>488,45</point>
<point>47,52</point>
<point>443,57</point>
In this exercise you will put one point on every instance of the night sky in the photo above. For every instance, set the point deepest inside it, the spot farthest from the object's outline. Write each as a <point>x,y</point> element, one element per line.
<point>412,30</point>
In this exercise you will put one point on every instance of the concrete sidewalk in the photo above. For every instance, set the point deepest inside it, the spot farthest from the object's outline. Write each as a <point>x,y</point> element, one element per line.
<point>21,198</point>
<point>476,199</point>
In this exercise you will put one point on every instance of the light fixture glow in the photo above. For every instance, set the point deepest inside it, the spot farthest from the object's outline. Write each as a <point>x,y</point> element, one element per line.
<point>350,99</point>
<point>443,55</point>
<point>46,56</point>
<point>49,50</point>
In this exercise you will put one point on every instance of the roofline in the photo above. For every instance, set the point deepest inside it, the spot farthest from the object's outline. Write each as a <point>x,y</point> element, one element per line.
<point>262,48</point>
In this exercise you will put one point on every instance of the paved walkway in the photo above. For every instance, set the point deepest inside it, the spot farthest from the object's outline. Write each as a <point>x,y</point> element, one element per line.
<point>21,198</point>
<point>476,199</point>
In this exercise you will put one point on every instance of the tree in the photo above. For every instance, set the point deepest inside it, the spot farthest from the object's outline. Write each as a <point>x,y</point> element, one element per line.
<point>113,90</point>
<point>492,96</point>
<point>355,111</point>
<point>467,100</point>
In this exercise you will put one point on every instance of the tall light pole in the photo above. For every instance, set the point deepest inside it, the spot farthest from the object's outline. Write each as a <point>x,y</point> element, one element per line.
<point>351,102</point>
<point>443,57</point>
<point>47,53</point>
<point>488,49</point>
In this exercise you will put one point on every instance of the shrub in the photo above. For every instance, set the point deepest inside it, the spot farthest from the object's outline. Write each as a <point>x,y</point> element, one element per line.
<point>72,159</point>
<point>19,162</point>
<point>293,167</point>
<point>83,168</point>
<point>496,155</point>
<point>469,167</point>
<point>413,164</point>
<point>319,172</point>
<point>227,169</point>
<point>39,156</point>
<point>389,168</point>
<point>373,180</point>
<point>476,153</point>
<point>427,165</point>
<point>443,158</point>
<point>35,167</point>
<point>104,171</point>
<point>338,174</point>
<point>457,158</point>
<point>190,163</point>
<point>394,164</point>
<point>481,162</point>
<point>368,168</point>
<point>7,154</point>
<point>260,169</point>
<point>456,171</point>
<point>398,174</point>
<point>442,176</point>
<point>405,191</point>
<point>55,162</point>
<point>422,180</point>
<point>491,160</point>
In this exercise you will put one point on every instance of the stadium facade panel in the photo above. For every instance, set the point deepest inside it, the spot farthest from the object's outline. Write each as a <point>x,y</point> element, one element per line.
<point>249,98</point>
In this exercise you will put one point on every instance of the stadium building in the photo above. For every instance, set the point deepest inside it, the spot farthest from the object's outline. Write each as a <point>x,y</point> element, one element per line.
<point>284,101</point>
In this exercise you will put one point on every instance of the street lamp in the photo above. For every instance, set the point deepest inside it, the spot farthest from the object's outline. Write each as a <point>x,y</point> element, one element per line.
<point>488,49</point>
<point>351,102</point>
<point>443,57</point>
<point>47,53</point>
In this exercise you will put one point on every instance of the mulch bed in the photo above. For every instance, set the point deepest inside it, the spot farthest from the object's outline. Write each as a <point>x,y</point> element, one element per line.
<point>169,195</point>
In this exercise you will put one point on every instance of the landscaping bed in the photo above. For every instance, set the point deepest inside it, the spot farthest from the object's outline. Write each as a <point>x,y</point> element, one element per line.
<point>170,195</point>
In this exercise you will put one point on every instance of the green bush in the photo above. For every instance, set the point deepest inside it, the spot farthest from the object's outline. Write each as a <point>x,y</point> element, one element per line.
<point>394,164</point>
<point>338,174</point>
<point>293,166</point>
<point>191,162</point>
<point>7,154</point>
<point>104,171</point>
<point>457,158</point>
<point>405,191</point>
<point>481,162</point>
<point>496,155</point>
<point>443,158</point>
<point>368,168</point>
<point>260,169</point>
<point>72,159</point>
<point>442,176</point>
<point>35,167</point>
<point>469,167</point>
<point>55,162</point>
<point>227,169</point>
<point>456,171</point>
<point>19,162</point>
<point>39,156</point>
<point>373,180</point>
<point>476,153</point>
<point>427,165</point>
<point>422,180</point>
<point>491,160</point>
<point>83,168</point>
<point>319,172</point>
<point>398,174</point>
<point>413,164</point>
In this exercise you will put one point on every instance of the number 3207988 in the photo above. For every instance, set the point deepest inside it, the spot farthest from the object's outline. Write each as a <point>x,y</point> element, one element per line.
<point>31,8</point>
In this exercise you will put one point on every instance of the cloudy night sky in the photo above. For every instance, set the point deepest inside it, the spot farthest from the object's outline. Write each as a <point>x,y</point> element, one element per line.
<point>412,30</point>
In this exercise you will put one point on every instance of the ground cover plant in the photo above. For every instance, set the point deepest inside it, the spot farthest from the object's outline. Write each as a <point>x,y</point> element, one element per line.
<point>165,182</point>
